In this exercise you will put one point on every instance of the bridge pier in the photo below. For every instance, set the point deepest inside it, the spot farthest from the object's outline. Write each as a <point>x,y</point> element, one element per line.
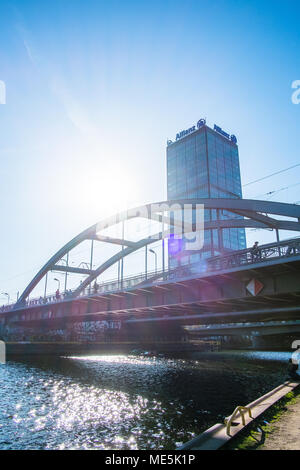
<point>261,342</point>
<point>273,341</point>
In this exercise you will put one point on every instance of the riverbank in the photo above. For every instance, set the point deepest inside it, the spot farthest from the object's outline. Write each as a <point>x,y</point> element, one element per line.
<point>284,434</point>
<point>277,429</point>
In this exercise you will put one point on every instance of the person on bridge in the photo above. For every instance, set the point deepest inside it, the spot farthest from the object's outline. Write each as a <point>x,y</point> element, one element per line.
<point>57,294</point>
<point>293,248</point>
<point>255,251</point>
<point>95,287</point>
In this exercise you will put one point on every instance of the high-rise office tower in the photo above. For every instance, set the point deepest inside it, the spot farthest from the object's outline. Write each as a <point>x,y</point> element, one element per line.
<point>204,163</point>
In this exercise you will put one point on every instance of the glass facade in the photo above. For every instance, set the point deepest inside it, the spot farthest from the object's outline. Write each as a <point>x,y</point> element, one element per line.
<point>205,164</point>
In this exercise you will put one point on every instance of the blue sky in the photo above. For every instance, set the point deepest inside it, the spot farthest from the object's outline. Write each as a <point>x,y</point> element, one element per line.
<point>94,90</point>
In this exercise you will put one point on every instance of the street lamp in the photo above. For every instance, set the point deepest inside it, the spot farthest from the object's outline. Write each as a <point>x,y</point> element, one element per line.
<point>8,296</point>
<point>55,279</point>
<point>66,275</point>
<point>83,263</point>
<point>152,251</point>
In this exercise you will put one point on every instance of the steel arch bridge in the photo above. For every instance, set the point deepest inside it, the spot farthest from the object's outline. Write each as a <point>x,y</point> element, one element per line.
<point>245,213</point>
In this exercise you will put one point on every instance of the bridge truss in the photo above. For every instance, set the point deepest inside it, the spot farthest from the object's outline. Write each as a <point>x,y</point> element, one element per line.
<point>167,215</point>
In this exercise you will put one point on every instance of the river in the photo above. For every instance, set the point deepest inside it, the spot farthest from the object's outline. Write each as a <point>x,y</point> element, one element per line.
<point>126,402</point>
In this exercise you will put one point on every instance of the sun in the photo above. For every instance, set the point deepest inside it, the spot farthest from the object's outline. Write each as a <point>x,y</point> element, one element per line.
<point>108,189</point>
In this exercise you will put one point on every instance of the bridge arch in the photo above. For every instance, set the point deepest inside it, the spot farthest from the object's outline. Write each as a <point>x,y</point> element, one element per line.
<point>253,213</point>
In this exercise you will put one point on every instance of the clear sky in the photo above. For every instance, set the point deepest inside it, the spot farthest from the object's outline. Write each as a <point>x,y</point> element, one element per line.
<point>95,88</point>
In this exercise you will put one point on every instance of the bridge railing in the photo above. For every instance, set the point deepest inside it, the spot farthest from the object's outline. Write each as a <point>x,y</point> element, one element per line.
<point>248,256</point>
<point>244,257</point>
<point>112,285</point>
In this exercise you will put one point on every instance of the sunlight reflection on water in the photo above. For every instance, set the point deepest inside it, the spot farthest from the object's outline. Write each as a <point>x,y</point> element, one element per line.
<point>126,402</point>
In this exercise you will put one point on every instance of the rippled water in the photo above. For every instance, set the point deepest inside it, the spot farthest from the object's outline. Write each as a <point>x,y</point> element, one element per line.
<point>123,402</point>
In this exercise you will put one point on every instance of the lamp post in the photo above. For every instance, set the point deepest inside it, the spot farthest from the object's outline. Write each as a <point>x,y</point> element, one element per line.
<point>154,252</point>
<point>66,275</point>
<point>55,279</point>
<point>8,296</point>
<point>83,263</point>
<point>91,261</point>
<point>88,267</point>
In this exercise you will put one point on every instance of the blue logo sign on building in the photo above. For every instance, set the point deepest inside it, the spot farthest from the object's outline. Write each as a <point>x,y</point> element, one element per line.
<point>231,137</point>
